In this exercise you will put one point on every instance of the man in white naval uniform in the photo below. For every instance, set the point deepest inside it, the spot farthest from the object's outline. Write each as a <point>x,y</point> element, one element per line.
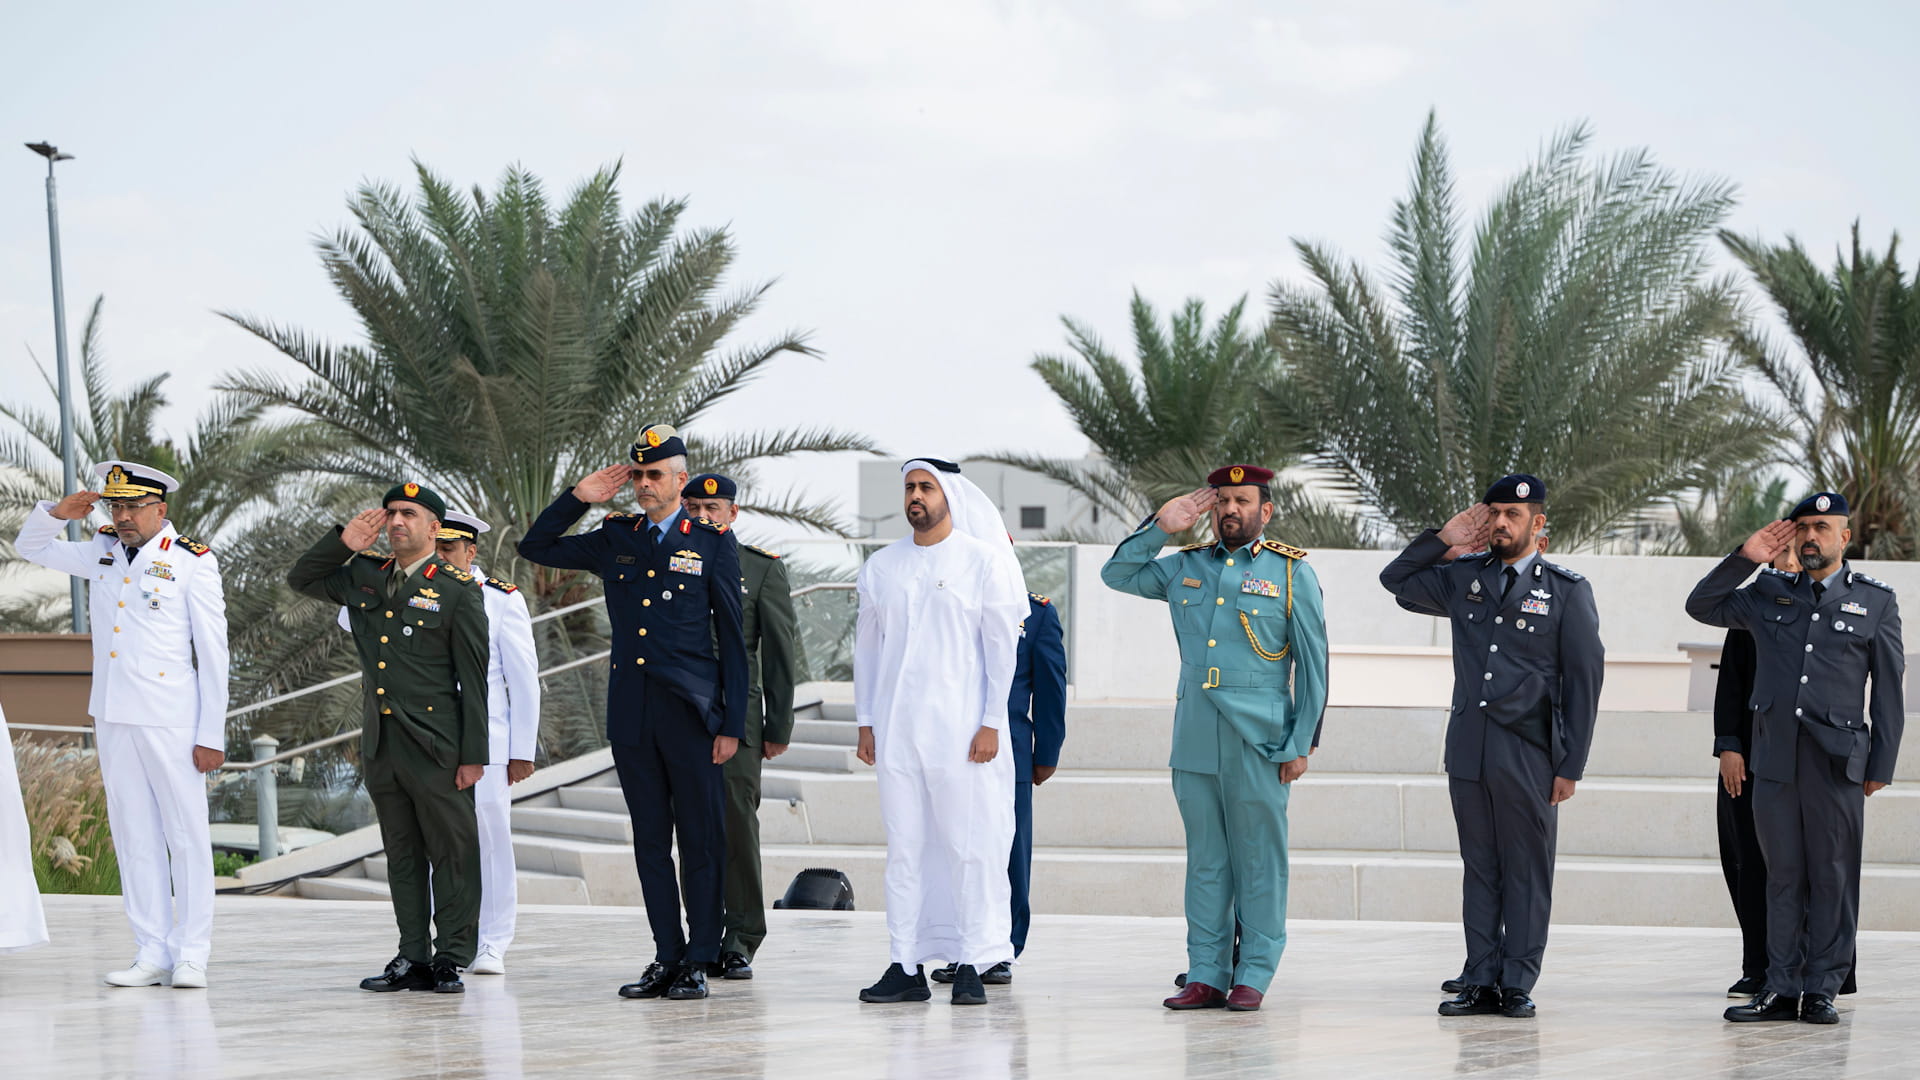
<point>159,705</point>
<point>513,734</point>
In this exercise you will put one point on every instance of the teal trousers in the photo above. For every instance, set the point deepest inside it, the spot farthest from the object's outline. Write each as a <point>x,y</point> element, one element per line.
<point>1236,824</point>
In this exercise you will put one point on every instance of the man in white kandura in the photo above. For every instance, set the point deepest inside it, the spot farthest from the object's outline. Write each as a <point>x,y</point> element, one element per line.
<point>22,922</point>
<point>513,733</point>
<point>159,705</point>
<point>933,661</point>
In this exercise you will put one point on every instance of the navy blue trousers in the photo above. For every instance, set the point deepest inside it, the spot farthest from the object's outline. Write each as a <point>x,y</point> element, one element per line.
<point>1020,862</point>
<point>673,787</point>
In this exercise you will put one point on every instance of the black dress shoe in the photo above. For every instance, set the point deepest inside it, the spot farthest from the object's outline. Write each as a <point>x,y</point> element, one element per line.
<point>1514,1002</point>
<point>943,974</point>
<point>401,974</point>
<point>999,974</point>
<point>1454,986</point>
<point>689,985</point>
<point>446,977</point>
<point>1473,1001</point>
<point>1748,986</point>
<point>967,988</point>
<point>653,982</point>
<point>897,985</point>
<point>1766,1005</point>
<point>1818,1009</point>
<point>1180,981</point>
<point>734,965</point>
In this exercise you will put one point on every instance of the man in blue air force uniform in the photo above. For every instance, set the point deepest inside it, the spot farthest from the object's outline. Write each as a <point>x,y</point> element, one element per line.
<point>1527,669</point>
<point>1253,684</point>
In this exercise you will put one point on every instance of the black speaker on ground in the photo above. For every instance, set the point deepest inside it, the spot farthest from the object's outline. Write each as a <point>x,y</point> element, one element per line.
<point>818,889</point>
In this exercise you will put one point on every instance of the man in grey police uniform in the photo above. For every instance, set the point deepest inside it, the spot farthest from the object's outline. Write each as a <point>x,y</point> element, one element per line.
<point>1527,668</point>
<point>1820,636</point>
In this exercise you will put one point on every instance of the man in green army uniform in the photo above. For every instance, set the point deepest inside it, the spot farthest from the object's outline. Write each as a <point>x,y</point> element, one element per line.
<point>773,649</point>
<point>420,628</point>
<point>1253,683</point>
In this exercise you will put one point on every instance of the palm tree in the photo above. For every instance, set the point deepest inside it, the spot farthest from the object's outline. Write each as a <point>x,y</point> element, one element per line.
<point>510,346</point>
<point>1720,517</point>
<point>1185,407</point>
<point>224,468</point>
<point>1575,334</point>
<point>1852,386</point>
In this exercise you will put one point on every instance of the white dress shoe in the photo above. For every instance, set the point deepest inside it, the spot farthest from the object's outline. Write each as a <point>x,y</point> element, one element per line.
<point>189,976</point>
<point>140,974</point>
<point>488,961</point>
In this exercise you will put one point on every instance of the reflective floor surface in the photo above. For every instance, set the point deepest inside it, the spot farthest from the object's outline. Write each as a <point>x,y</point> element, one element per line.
<point>1352,1000</point>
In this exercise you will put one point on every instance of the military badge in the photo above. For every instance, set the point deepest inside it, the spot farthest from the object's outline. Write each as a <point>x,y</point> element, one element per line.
<point>1852,608</point>
<point>411,489</point>
<point>685,562</point>
<point>1534,606</point>
<point>1542,594</point>
<point>712,486</point>
<point>423,603</point>
<point>161,570</point>
<point>1237,474</point>
<point>1259,587</point>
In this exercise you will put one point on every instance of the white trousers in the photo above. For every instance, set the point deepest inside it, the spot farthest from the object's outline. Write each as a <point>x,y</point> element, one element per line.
<point>498,890</point>
<point>157,811</point>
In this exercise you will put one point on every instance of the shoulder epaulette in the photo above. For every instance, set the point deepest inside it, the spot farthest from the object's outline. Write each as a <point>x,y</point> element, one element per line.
<point>373,557</point>
<point>618,519</point>
<point>107,530</point>
<point>1201,546</point>
<point>192,545</point>
<point>1038,599</point>
<point>458,575</point>
<point>757,550</point>
<point>1781,573</point>
<point>710,526</point>
<point>503,586</point>
<point>1563,571</point>
<point>1288,550</point>
<point>1858,576</point>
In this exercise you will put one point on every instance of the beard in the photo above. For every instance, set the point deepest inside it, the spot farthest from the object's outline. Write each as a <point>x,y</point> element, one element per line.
<point>1509,548</point>
<point>1813,559</point>
<point>922,517</point>
<point>1235,531</point>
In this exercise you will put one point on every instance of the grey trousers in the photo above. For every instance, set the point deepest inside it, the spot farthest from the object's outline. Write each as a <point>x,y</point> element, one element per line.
<point>1810,832</point>
<point>1507,832</point>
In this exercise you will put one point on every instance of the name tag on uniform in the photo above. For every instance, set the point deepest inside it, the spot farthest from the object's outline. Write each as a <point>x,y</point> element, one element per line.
<point>423,603</point>
<point>1259,587</point>
<point>1783,601</point>
<point>1853,608</point>
<point>625,560</point>
<point>1189,582</point>
<point>1533,607</point>
<point>106,560</point>
<point>684,562</point>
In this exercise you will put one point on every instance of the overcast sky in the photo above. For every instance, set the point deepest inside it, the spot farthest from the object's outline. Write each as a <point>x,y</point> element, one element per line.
<point>932,184</point>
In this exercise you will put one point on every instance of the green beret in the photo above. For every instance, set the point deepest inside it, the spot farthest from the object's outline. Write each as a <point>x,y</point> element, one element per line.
<point>414,493</point>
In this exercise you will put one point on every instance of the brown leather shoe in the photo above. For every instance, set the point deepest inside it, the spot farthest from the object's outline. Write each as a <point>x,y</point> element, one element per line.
<point>1196,995</point>
<point>1244,999</point>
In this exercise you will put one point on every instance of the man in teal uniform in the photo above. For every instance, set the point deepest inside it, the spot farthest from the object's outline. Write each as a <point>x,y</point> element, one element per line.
<point>1253,684</point>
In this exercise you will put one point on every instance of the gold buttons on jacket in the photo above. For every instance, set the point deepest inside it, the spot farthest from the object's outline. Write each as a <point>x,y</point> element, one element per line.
<point>379,689</point>
<point>646,603</point>
<point>386,712</point>
<point>1209,643</point>
<point>123,603</point>
<point>126,581</point>
<point>642,662</point>
<point>649,573</point>
<point>383,665</point>
<point>1229,562</point>
<point>113,656</point>
<point>383,639</point>
<point>643,631</point>
<point>1219,600</point>
<point>389,614</point>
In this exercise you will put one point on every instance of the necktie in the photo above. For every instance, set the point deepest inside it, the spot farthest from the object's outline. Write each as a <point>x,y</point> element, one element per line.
<point>1819,590</point>
<point>1512,576</point>
<point>654,533</point>
<point>396,581</point>
<point>132,552</point>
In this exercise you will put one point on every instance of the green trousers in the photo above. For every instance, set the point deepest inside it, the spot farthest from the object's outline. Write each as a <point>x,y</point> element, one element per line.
<point>426,823</point>
<point>1236,824</point>
<point>746,906</point>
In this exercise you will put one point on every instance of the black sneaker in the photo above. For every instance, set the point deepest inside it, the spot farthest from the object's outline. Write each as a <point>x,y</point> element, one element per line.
<point>446,977</point>
<point>999,974</point>
<point>735,965</point>
<point>967,989</point>
<point>897,985</point>
<point>691,985</point>
<point>401,974</point>
<point>945,974</point>
<point>653,982</point>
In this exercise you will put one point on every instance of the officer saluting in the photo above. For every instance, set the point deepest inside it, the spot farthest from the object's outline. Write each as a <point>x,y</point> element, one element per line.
<point>1527,668</point>
<point>420,627</point>
<point>159,705</point>
<point>676,693</point>
<point>1820,636</point>
<point>1253,684</point>
<point>773,659</point>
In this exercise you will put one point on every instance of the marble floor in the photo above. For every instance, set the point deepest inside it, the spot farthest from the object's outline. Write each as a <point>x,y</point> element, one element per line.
<point>1353,1000</point>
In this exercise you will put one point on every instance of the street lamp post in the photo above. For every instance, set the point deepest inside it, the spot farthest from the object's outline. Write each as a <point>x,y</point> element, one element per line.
<point>68,468</point>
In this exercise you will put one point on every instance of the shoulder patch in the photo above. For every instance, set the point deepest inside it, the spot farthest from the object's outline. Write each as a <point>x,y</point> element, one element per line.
<point>1288,550</point>
<point>1876,582</point>
<point>1201,546</point>
<point>503,586</point>
<point>192,545</point>
<point>1562,571</point>
<point>710,526</point>
<point>1038,599</point>
<point>460,576</point>
<point>757,550</point>
<point>619,519</point>
<point>1781,573</point>
<point>371,557</point>
<point>107,530</point>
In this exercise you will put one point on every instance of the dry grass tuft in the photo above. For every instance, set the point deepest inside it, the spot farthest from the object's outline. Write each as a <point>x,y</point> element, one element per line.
<point>67,815</point>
